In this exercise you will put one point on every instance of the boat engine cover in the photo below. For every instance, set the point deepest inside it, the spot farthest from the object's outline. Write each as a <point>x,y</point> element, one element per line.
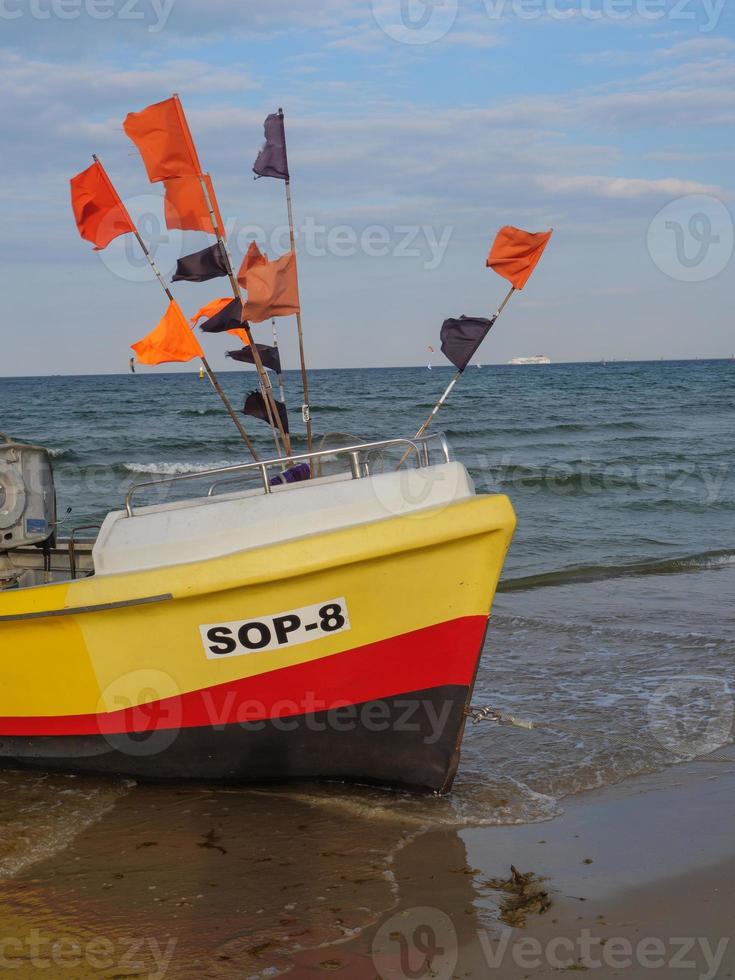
<point>27,496</point>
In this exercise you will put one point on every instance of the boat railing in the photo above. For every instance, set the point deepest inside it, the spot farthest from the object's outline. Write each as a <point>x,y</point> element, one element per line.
<point>72,545</point>
<point>357,456</point>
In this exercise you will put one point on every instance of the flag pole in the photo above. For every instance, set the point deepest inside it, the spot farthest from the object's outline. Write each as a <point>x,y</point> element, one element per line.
<point>450,387</point>
<point>274,416</point>
<point>270,403</point>
<point>306,408</point>
<point>439,405</point>
<point>151,261</point>
<point>280,373</point>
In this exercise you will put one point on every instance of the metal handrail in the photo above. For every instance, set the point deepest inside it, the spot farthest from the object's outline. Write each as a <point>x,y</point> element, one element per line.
<point>225,483</point>
<point>72,546</point>
<point>415,446</point>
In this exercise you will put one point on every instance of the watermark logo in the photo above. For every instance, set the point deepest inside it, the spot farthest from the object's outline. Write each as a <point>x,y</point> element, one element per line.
<point>153,13</point>
<point>692,716</point>
<point>415,21</point>
<point>427,244</point>
<point>691,238</point>
<point>422,944</point>
<point>418,944</point>
<point>71,955</point>
<point>588,951</point>
<point>427,21</point>
<point>124,257</point>
<point>421,490</point>
<point>146,705</point>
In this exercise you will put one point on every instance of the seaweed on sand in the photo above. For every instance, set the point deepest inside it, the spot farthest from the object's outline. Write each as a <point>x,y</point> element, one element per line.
<point>523,896</point>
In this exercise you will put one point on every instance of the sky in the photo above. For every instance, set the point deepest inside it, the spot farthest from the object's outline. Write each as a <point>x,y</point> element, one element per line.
<point>416,130</point>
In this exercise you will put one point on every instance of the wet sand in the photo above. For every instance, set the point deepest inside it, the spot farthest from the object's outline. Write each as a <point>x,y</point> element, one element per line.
<point>197,882</point>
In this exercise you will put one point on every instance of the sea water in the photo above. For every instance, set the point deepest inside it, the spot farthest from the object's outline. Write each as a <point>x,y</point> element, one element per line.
<point>614,627</point>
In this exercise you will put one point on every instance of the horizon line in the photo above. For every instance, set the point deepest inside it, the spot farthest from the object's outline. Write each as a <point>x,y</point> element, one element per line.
<point>384,367</point>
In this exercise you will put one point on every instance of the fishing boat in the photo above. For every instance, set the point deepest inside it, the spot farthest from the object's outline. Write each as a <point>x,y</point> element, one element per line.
<point>251,629</point>
<point>313,615</point>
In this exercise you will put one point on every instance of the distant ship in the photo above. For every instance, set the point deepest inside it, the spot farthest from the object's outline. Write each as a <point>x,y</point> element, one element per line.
<point>536,359</point>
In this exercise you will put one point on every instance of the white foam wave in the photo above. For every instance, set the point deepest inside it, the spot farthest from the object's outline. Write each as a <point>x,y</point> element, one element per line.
<point>41,815</point>
<point>176,469</point>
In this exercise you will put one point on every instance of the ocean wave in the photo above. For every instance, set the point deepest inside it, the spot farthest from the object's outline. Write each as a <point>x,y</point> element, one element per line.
<point>476,800</point>
<point>177,469</point>
<point>562,475</point>
<point>533,430</point>
<point>677,505</point>
<point>612,476</point>
<point>41,815</point>
<point>199,413</point>
<point>704,561</point>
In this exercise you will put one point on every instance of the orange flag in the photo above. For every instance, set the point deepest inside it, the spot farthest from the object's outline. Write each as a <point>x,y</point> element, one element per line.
<point>98,211</point>
<point>253,258</point>
<point>273,290</point>
<point>242,335</point>
<point>164,140</point>
<point>515,253</point>
<point>172,340</point>
<point>186,207</point>
<point>212,309</point>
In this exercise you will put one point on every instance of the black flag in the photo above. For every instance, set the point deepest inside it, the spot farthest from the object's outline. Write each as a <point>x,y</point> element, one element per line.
<point>255,406</point>
<point>461,338</point>
<point>230,318</point>
<point>273,160</point>
<point>210,263</point>
<point>270,356</point>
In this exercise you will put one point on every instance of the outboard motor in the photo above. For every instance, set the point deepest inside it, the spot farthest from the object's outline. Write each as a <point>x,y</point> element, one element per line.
<point>27,501</point>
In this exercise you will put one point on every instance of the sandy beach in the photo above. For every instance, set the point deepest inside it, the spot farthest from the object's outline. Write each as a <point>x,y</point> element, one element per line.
<point>236,883</point>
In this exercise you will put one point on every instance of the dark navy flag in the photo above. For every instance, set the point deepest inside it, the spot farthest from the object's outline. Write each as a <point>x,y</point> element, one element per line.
<point>230,318</point>
<point>461,338</point>
<point>273,159</point>
<point>270,356</point>
<point>210,263</point>
<point>296,474</point>
<point>255,406</point>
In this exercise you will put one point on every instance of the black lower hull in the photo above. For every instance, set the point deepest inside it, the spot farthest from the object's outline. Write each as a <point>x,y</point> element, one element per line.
<point>412,740</point>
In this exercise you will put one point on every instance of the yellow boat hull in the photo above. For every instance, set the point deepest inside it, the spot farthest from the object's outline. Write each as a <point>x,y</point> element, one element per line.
<point>349,654</point>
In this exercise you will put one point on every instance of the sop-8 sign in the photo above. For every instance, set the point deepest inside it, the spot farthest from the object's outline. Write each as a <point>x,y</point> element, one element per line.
<point>266,633</point>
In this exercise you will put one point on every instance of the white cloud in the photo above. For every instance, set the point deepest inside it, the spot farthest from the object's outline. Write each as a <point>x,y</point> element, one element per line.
<point>627,188</point>
<point>698,45</point>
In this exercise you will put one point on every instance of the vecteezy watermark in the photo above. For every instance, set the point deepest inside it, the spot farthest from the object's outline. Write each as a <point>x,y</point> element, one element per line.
<point>691,238</point>
<point>124,258</point>
<point>415,21</point>
<point>423,944</point>
<point>127,957</point>
<point>587,951</point>
<point>147,705</point>
<point>705,13</point>
<point>692,716</point>
<point>414,944</point>
<point>141,715</point>
<point>153,13</point>
<point>427,21</point>
<point>703,484</point>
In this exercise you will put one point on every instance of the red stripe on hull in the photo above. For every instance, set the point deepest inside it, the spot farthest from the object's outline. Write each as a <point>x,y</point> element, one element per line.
<point>432,657</point>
